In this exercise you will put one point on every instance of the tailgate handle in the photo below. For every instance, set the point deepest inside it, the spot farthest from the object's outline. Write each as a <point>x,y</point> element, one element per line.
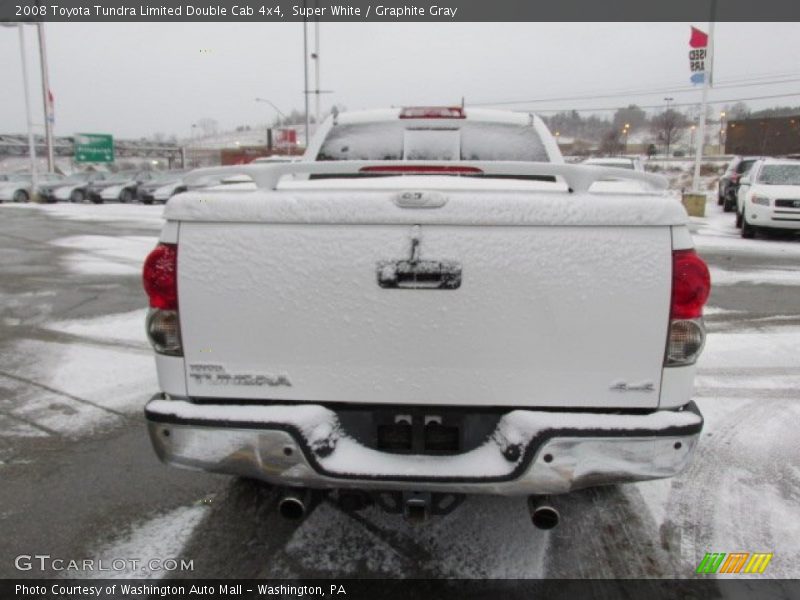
<point>419,275</point>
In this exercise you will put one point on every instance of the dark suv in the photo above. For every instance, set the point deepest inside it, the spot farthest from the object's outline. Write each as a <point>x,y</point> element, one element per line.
<point>729,182</point>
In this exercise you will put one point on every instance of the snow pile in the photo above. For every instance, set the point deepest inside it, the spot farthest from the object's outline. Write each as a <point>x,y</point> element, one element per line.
<point>126,327</point>
<point>145,215</point>
<point>770,347</point>
<point>160,540</point>
<point>138,215</point>
<point>762,276</point>
<point>75,387</point>
<point>106,255</point>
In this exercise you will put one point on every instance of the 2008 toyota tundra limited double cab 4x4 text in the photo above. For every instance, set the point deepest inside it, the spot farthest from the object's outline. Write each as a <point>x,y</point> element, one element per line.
<point>430,304</point>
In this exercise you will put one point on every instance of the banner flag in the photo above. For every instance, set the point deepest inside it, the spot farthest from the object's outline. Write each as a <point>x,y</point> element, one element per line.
<point>698,54</point>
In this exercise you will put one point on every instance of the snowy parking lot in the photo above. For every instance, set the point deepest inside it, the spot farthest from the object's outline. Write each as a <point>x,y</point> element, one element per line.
<point>76,370</point>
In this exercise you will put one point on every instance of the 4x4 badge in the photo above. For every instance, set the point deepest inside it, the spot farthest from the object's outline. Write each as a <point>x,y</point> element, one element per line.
<point>621,386</point>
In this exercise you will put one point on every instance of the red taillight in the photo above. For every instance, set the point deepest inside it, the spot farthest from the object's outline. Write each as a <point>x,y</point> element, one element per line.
<point>432,112</point>
<point>422,170</point>
<point>160,277</point>
<point>691,284</point>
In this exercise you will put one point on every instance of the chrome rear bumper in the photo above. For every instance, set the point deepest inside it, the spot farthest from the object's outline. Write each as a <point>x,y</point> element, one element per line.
<point>530,452</point>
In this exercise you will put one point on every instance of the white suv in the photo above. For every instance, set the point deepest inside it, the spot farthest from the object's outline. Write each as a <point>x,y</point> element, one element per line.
<point>769,196</point>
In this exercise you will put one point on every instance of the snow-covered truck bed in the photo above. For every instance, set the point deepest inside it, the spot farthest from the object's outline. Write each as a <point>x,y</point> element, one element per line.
<point>424,327</point>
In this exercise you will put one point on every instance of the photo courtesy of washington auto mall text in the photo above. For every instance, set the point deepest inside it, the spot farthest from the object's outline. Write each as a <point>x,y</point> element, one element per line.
<point>305,299</point>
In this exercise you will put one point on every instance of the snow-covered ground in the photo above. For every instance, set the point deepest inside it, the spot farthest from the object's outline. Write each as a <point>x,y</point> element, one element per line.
<point>148,549</point>
<point>145,217</point>
<point>106,255</point>
<point>93,377</point>
<point>76,376</point>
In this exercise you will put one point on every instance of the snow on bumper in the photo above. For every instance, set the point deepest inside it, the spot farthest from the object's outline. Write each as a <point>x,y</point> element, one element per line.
<point>530,451</point>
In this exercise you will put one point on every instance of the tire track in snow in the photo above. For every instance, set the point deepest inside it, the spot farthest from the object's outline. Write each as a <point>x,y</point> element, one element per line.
<point>746,451</point>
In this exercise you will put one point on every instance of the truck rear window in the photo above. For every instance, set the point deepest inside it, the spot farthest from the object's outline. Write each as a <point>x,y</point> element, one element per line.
<point>405,141</point>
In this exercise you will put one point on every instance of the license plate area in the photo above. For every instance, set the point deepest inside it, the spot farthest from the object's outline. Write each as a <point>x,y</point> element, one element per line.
<point>419,430</point>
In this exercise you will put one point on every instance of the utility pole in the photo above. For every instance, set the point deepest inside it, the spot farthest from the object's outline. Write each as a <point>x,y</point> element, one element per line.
<point>667,125</point>
<point>49,119</point>
<point>31,143</point>
<point>316,72</point>
<point>305,70</point>
<point>707,76</point>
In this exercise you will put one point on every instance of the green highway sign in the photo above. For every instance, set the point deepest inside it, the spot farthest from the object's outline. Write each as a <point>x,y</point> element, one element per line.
<point>94,147</point>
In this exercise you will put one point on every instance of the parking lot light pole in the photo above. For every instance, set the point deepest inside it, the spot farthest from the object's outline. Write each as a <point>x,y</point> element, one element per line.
<point>277,110</point>
<point>669,132</point>
<point>305,71</point>
<point>49,119</point>
<point>269,129</point>
<point>31,144</point>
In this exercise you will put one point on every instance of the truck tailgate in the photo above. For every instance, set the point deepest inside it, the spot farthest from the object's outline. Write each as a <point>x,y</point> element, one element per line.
<point>542,315</point>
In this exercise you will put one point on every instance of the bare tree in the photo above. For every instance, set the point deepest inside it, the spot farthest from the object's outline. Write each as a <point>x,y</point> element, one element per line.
<point>740,110</point>
<point>668,127</point>
<point>633,116</point>
<point>611,142</point>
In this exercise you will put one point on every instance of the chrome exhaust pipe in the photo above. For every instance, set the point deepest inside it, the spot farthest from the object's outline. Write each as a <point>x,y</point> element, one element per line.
<point>543,515</point>
<point>293,504</point>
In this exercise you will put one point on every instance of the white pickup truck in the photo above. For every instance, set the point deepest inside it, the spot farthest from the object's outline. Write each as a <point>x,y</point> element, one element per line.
<point>430,304</point>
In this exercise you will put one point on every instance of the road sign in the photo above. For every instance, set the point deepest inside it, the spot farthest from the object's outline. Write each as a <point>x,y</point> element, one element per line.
<point>94,147</point>
<point>698,55</point>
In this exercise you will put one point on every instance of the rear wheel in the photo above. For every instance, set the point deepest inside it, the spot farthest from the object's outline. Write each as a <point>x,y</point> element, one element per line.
<point>748,231</point>
<point>20,196</point>
<point>738,219</point>
<point>729,204</point>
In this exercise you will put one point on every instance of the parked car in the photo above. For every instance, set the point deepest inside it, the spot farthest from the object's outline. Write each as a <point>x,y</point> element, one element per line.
<point>146,192</point>
<point>420,314</point>
<point>119,187</point>
<point>769,197</point>
<point>72,188</point>
<point>619,162</point>
<point>729,182</point>
<point>19,187</point>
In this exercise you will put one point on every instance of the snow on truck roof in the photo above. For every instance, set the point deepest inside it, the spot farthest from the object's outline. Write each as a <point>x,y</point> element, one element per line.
<point>469,114</point>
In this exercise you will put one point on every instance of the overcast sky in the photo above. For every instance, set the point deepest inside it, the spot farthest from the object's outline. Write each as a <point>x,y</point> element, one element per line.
<point>134,80</point>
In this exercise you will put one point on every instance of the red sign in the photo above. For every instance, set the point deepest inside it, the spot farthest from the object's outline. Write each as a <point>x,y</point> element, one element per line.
<point>286,137</point>
<point>698,39</point>
<point>698,55</point>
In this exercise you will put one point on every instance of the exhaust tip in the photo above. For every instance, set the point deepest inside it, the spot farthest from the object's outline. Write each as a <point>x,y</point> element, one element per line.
<point>545,517</point>
<point>291,508</point>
